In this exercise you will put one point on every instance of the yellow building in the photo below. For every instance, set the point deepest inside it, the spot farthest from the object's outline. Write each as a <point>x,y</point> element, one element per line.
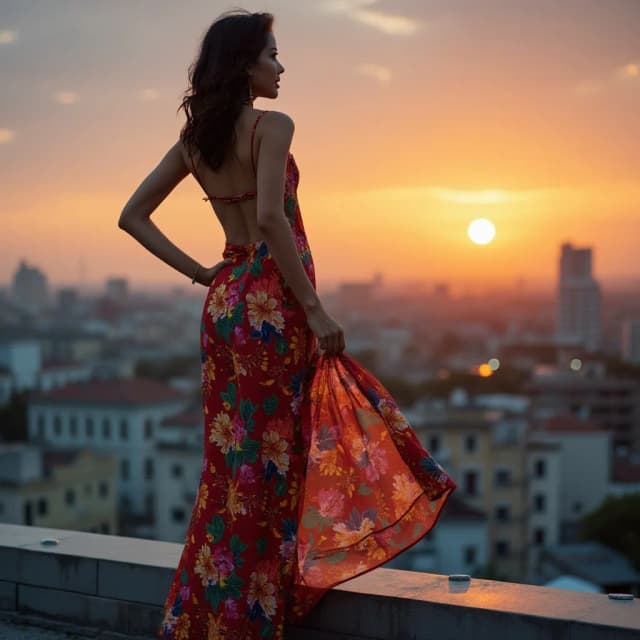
<point>61,489</point>
<point>485,453</point>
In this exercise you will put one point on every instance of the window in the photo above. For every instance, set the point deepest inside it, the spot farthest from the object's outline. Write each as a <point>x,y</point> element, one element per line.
<point>124,469</point>
<point>103,489</point>
<point>28,513</point>
<point>470,443</point>
<point>503,477</point>
<point>577,507</point>
<point>469,555</point>
<point>104,527</point>
<point>539,502</point>
<point>540,468</point>
<point>124,429</point>
<point>148,428</point>
<point>73,427</point>
<point>433,443</point>
<point>88,426</point>
<point>503,512</point>
<point>148,502</point>
<point>42,507</point>
<point>178,514</point>
<point>538,536</point>
<point>106,428</point>
<point>176,470</point>
<point>70,497</point>
<point>502,548</point>
<point>148,468</point>
<point>41,425</point>
<point>470,480</point>
<point>57,425</point>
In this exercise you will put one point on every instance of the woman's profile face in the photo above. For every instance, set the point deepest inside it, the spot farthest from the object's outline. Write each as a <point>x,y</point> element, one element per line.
<point>266,70</point>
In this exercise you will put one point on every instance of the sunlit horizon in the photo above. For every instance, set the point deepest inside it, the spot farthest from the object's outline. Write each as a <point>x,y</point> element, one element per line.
<point>419,118</point>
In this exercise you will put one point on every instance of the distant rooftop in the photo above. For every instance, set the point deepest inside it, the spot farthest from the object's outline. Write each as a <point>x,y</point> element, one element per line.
<point>115,391</point>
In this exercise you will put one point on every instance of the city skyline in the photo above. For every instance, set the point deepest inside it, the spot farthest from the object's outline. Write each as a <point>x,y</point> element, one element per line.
<point>525,116</point>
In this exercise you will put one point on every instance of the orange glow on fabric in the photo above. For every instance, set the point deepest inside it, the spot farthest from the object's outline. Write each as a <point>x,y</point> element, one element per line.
<point>371,490</point>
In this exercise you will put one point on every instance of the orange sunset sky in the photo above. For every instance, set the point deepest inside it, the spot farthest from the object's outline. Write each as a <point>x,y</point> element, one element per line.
<point>412,119</point>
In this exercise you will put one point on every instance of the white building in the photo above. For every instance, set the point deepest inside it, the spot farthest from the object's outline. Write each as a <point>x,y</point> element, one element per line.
<point>119,416</point>
<point>22,357</point>
<point>178,464</point>
<point>585,468</point>
<point>578,303</point>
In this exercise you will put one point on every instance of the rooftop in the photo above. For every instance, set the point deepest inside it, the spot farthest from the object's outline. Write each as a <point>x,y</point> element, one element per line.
<point>112,584</point>
<point>112,391</point>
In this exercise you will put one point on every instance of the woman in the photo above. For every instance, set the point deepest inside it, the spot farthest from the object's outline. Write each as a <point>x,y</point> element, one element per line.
<point>252,557</point>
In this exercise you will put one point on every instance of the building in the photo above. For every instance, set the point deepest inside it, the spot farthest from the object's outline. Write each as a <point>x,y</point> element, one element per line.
<point>631,341</point>
<point>457,544</point>
<point>611,403</point>
<point>29,288</point>
<point>594,562</point>
<point>578,300</point>
<point>116,416</point>
<point>21,357</point>
<point>544,461</point>
<point>64,489</point>
<point>584,468</point>
<point>179,465</point>
<point>484,450</point>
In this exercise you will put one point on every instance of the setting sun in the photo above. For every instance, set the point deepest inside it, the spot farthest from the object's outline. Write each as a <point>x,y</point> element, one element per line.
<point>481,231</point>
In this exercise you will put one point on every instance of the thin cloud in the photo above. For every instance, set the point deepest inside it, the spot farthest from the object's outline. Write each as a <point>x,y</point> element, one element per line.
<point>149,94</point>
<point>628,71</point>
<point>358,11</point>
<point>485,196</point>
<point>66,97</point>
<point>8,36</point>
<point>380,73</point>
<point>587,88</point>
<point>457,196</point>
<point>7,135</point>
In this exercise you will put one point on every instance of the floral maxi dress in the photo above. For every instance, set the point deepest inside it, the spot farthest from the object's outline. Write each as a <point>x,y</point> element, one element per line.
<point>309,476</point>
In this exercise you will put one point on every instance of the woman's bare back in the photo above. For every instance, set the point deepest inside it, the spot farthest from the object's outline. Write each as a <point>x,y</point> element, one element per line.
<point>230,189</point>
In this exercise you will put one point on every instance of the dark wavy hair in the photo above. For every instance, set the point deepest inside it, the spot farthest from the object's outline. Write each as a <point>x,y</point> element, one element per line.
<point>219,83</point>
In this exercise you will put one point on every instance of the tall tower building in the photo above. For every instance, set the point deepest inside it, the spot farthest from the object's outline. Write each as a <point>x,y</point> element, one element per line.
<point>29,288</point>
<point>578,302</point>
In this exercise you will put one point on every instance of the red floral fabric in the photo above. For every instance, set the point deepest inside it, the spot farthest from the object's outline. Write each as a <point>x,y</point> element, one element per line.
<point>310,474</point>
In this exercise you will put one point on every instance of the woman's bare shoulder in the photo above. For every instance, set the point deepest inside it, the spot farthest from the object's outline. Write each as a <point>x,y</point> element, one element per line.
<point>278,123</point>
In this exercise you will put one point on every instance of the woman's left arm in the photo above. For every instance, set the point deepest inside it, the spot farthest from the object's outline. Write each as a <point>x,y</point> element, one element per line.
<point>135,217</point>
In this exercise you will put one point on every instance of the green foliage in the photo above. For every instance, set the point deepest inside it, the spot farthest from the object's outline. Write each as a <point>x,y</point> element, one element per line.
<point>616,524</point>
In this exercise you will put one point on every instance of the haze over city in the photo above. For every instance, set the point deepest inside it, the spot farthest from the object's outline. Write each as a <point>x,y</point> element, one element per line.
<point>412,120</point>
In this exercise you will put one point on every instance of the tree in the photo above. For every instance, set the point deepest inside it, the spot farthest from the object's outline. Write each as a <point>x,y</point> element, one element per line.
<point>616,524</point>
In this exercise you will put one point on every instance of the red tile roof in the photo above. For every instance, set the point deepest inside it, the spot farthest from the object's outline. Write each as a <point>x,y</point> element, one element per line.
<point>116,391</point>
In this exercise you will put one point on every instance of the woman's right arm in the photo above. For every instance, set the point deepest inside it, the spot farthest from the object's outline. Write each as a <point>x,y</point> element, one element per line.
<point>276,230</point>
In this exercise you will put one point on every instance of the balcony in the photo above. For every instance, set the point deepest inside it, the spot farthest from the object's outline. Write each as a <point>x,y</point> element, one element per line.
<point>110,584</point>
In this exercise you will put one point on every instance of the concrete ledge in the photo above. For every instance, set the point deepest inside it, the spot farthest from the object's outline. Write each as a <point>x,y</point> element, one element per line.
<point>119,584</point>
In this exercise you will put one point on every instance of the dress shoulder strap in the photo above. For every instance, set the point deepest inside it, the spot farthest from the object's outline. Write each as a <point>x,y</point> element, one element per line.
<point>197,177</point>
<point>253,133</point>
